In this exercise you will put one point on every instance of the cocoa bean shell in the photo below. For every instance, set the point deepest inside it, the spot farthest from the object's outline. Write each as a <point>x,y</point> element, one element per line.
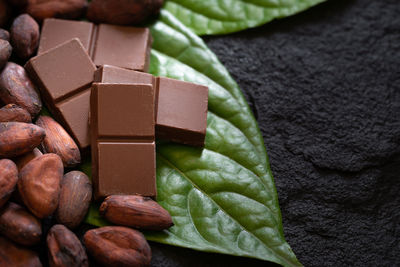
<point>67,9</point>
<point>8,179</point>
<point>18,138</point>
<point>118,246</point>
<point>14,255</point>
<point>5,52</point>
<point>12,112</point>
<point>21,161</point>
<point>24,36</point>
<point>74,200</point>
<point>135,211</point>
<point>17,88</point>
<point>59,142</point>
<point>65,249</point>
<point>122,12</point>
<point>4,35</point>
<point>19,225</point>
<point>39,184</point>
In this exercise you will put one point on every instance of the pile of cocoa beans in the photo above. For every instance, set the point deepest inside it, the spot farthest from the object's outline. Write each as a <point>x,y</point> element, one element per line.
<point>43,200</point>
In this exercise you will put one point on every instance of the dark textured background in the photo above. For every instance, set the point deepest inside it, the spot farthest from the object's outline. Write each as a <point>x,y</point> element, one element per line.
<point>325,88</point>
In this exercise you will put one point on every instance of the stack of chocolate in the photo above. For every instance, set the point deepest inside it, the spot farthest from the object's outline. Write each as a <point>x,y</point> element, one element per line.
<point>98,71</point>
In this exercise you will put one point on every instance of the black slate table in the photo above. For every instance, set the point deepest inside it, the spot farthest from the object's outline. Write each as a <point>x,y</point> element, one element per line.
<point>324,86</point>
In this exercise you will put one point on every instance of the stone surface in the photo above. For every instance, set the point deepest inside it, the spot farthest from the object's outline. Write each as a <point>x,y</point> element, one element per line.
<point>325,88</point>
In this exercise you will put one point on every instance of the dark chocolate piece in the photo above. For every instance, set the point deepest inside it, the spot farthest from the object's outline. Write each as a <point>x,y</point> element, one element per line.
<point>122,133</point>
<point>58,31</point>
<point>64,75</point>
<point>182,111</point>
<point>126,47</point>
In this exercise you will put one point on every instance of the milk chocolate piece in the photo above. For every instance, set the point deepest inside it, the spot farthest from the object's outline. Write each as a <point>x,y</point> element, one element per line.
<point>58,31</point>
<point>112,74</point>
<point>121,46</point>
<point>182,111</point>
<point>126,47</point>
<point>122,132</point>
<point>64,75</point>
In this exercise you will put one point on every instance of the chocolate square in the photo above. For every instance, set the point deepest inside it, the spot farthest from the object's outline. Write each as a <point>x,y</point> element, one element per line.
<point>126,47</point>
<point>182,111</point>
<point>125,110</point>
<point>58,31</point>
<point>126,169</point>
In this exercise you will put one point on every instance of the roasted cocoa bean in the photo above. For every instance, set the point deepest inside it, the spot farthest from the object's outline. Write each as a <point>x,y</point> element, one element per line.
<point>64,248</point>
<point>19,225</point>
<point>5,52</point>
<point>8,179</point>
<point>18,138</point>
<point>12,112</point>
<point>118,246</point>
<point>59,142</point>
<point>67,9</point>
<point>4,35</point>
<point>17,88</point>
<point>5,12</point>
<point>74,200</point>
<point>135,211</point>
<point>39,184</point>
<point>16,256</point>
<point>122,12</point>
<point>21,161</point>
<point>24,36</point>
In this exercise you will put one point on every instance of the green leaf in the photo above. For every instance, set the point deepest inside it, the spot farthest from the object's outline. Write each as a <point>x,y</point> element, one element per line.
<point>227,16</point>
<point>222,198</point>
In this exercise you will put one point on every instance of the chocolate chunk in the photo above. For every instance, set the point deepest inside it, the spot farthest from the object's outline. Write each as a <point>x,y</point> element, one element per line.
<point>58,31</point>
<point>64,75</point>
<point>122,132</point>
<point>126,47</point>
<point>111,74</point>
<point>182,111</point>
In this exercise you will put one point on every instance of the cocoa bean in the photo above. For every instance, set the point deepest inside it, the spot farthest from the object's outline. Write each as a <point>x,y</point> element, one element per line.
<point>67,9</point>
<point>5,12</point>
<point>8,179</point>
<point>17,88</point>
<point>122,12</point>
<point>118,246</point>
<point>12,112</point>
<point>21,161</point>
<point>18,138</point>
<point>17,256</point>
<point>135,211</point>
<point>64,248</point>
<point>19,225</point>
<point>4,35</point>
<point>74,200</point>
<point>59,142</point>
<point>24,36</point>
<point>5,52</point>
<point>39,184</point>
